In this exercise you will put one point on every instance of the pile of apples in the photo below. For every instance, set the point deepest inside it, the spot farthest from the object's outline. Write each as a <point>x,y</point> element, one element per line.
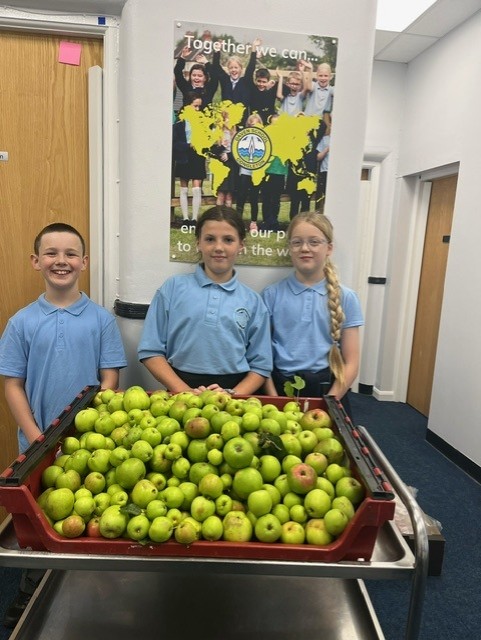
<point>208,466</point>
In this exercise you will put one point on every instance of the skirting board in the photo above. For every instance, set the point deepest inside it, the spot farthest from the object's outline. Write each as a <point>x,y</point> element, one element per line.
<point>459,459</point>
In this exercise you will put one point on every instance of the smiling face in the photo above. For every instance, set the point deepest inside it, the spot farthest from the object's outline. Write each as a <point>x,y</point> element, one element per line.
<point>197,78</point>
<point>60,259</point>
<point>309,260</point>
<point>219,244</point>
<point>323,75</point>
<point>234,69</point>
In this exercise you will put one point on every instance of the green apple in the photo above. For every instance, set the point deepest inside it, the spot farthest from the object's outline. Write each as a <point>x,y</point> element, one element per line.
<point>177,410</point>
<point>351,488</point>
<point>118,455</point>
<point>253,439</point>
<point>167,426</point>
<point>133,434</point>
<point>197,450</point>
<point>82,493</point>
<point>282,485</point>
<point>70,444</point>
<point>180,438</point>
<point>259,502</point>
<point>298,513</point>
<point>135,398</point>
<point>291,405</point>
<point>135,417</point>
<point>281,511</point>
<point>172,496</point>
<point>268,528</point>
<point>270,426</point>
<point>85,419</point>
<point>129,472</point>
<point>267,408</point>
<point>119,433</point>
<point>237,527</point>
<point>292,532</point>
<point>335,522</point>
<point>199,469</point>
<point>317,503</point>
<point>218,398</point>
<point>99,460</point>
<point>215,457</point>
<point>332,449</point>
<point>59,503</point>
<point>317,461</point>
<point>322,433</point>
<point>223,504</point>
<point>212,528</point>
<point>315,418</point>
<point>73,526</point>
<point>104,425</point>
<point>94,441</point>
<point>201,508</point>
<point>334,472</point>
<point>175,515</point>
<point>160,407</point>
<point>293,427</point>
<point>186,532</point>
<point>119,497</point>
<point>269,467</point>
<point>148,421</point>
<point>209,410</point>
<point>301,478</point>
<point>273,492</point>
<point>246,481</point>
<point>69,479</point>
<point>94,482</point>
<point>84,507</point>
<point>238,453</point>
<point>142,450</point>
<point>190,491</point>
<point>159,394</point>
<point>218,419</point>
<point>158,462</point>
<point>211,486</point>
<point>191,412</point>
<point>308,441</point>
<point>180,467</point>
<point>291,444</point>
<point>291,499</point>
<point>235,407</point>
<point>50,475</point>
<point>113,522</point>
<point>280,417</point>
<point>158,479</point>
<point>116,403</point>
<point>251,421</point>
<point>324,484</point>
<point>102,501</point>
<point>161,529</point>
<point>173,451</point>
<point>143,492</point>
<point>345,505</point>
<point>290,461</point>
<point>316,532</point>
<point>155,509</point>
<point>230,429</point>
<point>138,527</point>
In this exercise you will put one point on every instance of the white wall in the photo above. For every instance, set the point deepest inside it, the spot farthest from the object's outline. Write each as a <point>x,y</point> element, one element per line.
<point>439,125</point>
<point>147,43</point>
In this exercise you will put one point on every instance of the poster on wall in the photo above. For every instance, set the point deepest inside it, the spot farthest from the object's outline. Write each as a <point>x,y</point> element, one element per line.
<point>251,117</point>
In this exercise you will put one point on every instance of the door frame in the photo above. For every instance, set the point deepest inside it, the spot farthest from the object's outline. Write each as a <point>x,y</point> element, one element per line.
<point>422,184</point>
<point>104,182</point>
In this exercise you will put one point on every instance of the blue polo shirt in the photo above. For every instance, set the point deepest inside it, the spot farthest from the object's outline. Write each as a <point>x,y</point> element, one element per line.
<point>300,323</point>
<point>201,326</point>
<point>58,352</point>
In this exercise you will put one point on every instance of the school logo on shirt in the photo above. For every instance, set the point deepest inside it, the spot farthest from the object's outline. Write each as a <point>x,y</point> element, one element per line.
<point>251,148</point>
<point>241,317</point>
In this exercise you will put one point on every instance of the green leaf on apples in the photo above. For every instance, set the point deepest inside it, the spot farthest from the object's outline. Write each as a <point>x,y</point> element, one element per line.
<point>272,445</point>
<point>131,509</point>
<point>291,387</point>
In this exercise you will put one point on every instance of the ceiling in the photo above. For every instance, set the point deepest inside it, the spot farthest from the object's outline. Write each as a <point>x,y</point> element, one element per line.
<point>441,18</point>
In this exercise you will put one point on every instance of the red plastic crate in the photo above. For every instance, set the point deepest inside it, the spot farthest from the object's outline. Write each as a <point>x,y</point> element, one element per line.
<point>34,531</point>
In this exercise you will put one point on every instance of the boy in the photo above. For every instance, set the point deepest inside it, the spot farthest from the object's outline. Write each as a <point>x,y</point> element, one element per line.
<point>320,96</point>
<point>52,349</point>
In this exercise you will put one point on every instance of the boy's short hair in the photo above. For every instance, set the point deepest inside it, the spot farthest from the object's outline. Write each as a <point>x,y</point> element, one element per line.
<point>297,75</point>
<point>263,73</point>
<point>57,227</point>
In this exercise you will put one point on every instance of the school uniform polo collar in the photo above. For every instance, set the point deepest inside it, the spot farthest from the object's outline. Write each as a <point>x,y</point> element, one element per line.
<point>74,309</point>
<point>298,287</point>
<point>204,281</point>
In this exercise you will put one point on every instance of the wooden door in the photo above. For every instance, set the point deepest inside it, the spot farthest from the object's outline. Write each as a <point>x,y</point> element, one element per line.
<point>44,130</point>
<point>430,296</point>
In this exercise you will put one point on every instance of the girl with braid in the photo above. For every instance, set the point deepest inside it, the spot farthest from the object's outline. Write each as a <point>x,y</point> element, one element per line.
<point>314,319</point>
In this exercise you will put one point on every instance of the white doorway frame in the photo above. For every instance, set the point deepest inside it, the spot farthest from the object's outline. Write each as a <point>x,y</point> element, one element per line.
<point>104,176</point>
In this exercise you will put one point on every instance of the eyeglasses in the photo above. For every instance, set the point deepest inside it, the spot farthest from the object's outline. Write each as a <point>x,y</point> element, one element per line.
<point>312,243</point>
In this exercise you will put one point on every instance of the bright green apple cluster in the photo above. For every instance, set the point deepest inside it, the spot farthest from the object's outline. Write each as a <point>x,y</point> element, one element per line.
<point>155,467</point>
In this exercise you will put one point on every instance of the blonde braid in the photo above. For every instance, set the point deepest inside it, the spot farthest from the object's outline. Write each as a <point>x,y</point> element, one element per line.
<point>336,363</point>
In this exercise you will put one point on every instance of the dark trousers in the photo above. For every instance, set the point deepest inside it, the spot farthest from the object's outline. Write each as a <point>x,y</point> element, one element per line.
<point>247,192</point>
<point>299,198</point>
<point>272,189</point>
<point>317,385</point>
<point>195,380</point>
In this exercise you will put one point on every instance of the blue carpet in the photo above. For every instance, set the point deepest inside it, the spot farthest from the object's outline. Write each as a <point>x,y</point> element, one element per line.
<point>452,605</point>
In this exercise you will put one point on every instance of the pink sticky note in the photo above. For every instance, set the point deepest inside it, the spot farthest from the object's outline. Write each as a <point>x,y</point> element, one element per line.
<point>69,53</point>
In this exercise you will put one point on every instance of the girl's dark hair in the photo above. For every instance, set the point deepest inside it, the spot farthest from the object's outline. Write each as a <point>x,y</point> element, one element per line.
<point>57,227</point>
<point>199,67</point>
<point>221,213</point>
<point>190,96</point>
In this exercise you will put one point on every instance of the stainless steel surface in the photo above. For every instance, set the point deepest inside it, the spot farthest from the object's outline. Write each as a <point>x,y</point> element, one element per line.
<point>392,558</point>
<point>81,604</point>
